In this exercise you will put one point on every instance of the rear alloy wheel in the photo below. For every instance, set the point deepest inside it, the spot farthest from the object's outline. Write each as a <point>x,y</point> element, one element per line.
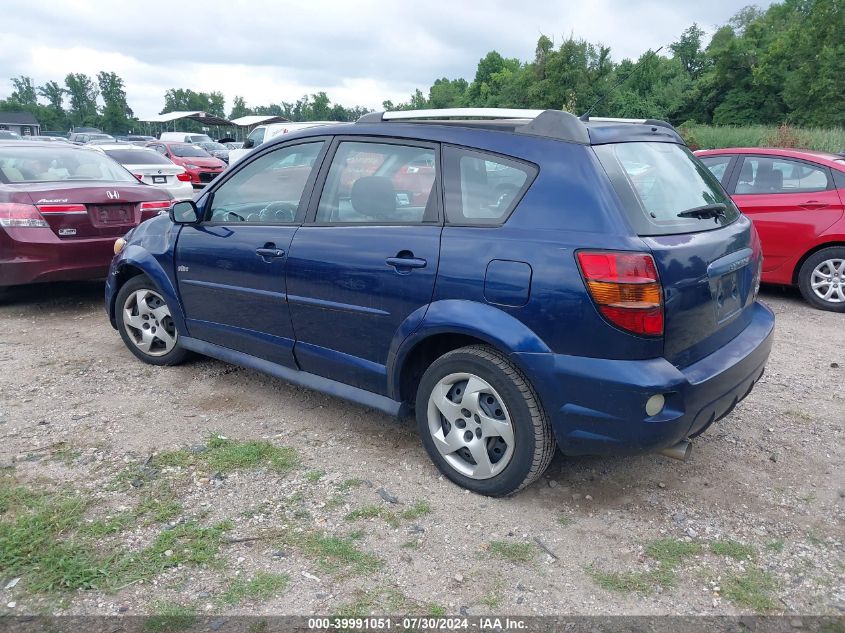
<point>822,279</point>
<point>481,422</point>
<point>146,324</point>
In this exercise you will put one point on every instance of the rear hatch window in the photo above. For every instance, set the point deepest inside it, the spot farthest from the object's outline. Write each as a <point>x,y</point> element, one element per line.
<point>664,190</point>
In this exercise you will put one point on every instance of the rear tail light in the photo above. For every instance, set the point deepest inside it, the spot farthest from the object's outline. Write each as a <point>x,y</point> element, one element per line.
<point>184,176</point>
<point>158,205</point>
<point>626,288</point>
<point>140,177</point>
<point>63,209</point>
<point>13,214</point>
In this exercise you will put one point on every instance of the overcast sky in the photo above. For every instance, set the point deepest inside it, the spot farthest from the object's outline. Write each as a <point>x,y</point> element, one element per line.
<point>359,52</point>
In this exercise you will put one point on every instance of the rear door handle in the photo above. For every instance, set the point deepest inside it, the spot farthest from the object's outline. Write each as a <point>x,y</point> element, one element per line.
<point>813,204</point>
<point>406,262</point>
<point>269,253</point>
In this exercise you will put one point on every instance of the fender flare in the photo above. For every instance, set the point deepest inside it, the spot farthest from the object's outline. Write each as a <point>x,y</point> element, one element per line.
<point>483,321</point>
<point>140,258</point>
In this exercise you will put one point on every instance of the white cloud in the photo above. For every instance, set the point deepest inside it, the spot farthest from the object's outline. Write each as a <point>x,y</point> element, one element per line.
<point>360,53</point>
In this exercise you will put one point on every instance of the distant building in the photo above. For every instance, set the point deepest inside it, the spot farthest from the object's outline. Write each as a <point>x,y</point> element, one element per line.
<point>22,123</point>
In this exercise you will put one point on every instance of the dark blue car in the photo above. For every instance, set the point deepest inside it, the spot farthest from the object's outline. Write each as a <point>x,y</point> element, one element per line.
<point>519,279</point>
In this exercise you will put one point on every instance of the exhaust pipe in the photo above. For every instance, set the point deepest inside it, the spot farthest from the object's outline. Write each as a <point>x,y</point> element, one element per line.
<point>680,451</point>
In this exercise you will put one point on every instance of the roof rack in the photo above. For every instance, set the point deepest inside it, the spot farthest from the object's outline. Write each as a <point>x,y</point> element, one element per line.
<point>549,123</point>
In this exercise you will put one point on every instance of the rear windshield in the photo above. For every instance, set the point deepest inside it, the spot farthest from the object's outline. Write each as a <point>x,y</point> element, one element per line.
<point>56,163</point>
<point>137,157</point>
<point>185,151</point>
<point>664,189</point>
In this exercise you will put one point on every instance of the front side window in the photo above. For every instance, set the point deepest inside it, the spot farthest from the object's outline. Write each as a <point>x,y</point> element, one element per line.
<point>267,190</point>
<point>764,174</point>
<point>482,189</point>
<point>379,183</point>
<point>257,136</point>
<point>664,190</point>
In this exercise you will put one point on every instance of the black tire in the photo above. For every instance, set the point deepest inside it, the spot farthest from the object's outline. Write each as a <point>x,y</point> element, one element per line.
<point>533,443</point>
<point>158,353</point>
<point>805,279</point>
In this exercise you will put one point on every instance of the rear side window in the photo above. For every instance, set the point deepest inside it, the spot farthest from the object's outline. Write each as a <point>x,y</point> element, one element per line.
<point>482,189</point>
<point>664,190</point>
<point>763,174</point>
<point>838,178</point>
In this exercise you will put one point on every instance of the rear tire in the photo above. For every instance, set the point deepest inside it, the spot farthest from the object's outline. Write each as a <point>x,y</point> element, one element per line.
<point>481,422</point>
<point>821,279</point>
<point>145,323</point>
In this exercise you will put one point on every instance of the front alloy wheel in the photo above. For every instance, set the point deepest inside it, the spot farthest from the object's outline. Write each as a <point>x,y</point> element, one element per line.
<point>146,323</point>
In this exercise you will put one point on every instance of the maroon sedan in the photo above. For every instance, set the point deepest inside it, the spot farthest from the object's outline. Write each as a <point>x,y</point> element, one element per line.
<point>201,166</point>
<point>61,209</point>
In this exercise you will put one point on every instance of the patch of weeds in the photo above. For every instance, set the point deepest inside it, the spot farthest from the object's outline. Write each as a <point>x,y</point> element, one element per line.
<point>627,582</point>
<point>669,553</point>
<point>412,544</point>
<point>225,455</point>
<point>66,454</point>
<point>155,507</point>
<point>301,513</point>
<point>158,509</point>
<point>334,502</point>
<point>336,554</point>
<point>357,535</point>
<point>262,626</point>
<point>808,498</point>
<point>110,525</point>
<point>732,549</point>
<point>801,415</point>
<point>372,512</point>
<point>174,459</point>
<point>491,600</point>
<point>170,616</point>
<point>753,589</point>
<point>775,546</point>
<point>418,509</point>
<point>261,586</point>
<point>385,600</point>
<point>436,611</point>
<point>313,476</point>
<point>349,484</point>
<point>565,520</point>
<point>813,538</point>
<point>514,552</point>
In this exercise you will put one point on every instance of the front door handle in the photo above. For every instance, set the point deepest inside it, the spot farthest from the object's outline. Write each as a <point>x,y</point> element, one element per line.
<point>400,263</point>
<point>269,253</point>
<point>813,204</point>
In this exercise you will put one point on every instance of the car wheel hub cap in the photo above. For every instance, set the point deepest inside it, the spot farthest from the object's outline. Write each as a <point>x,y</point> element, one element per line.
<point>827,280</point>
<point>148,323</point>
<point>470,426</point>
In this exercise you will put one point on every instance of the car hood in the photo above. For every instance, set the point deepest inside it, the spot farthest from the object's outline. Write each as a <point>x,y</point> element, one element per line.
<point>200,161</point>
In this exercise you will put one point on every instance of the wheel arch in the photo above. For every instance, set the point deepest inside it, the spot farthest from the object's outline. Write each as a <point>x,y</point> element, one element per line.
<point>449,325</point>
<point>815,249</point>
<point>136,261</point>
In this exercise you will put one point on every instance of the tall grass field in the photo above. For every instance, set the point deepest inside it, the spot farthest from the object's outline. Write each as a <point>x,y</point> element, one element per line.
<point>700,136</point>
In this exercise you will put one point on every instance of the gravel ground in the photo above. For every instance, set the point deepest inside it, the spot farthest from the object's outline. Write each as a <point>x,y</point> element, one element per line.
<point>363,523</point>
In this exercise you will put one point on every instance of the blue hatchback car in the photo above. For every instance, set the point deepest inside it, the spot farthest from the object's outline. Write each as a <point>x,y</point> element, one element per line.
<point>518,279</point>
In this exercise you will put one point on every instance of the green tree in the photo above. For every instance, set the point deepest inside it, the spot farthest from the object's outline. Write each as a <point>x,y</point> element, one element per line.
<point>239,108</point>
<point>117,114</point>
<point>82,93</point>
<point>24,92</point>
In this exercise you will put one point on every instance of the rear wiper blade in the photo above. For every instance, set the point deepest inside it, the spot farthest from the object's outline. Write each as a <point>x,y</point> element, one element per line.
<point>715,210</point>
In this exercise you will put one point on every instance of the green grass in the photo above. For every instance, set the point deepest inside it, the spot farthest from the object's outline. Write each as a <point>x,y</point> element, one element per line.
<point>418,509</point>
<point>155,507</point>
<point>373,512</point>
<point>436,611</point>
<point>334,502</point>
<point>349,484</point>
<point>313,476</point>
<point>261,586</point>
<point>170,617</point>
<point>514,552</point>
<point>775,546</point>
<point>336,554</point>
<point>565,520</point>
<point>224,455</point>
<point>753,589</point>
<point>713,136</point>
<point>412,544</point>
<point>732,549</point>
<point>668,553</point>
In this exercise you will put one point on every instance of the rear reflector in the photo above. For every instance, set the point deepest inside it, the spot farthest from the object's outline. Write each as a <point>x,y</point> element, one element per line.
<point>63,209</point>
<point>156,205</point>
<point>626,288</point>
<point>17,215</point>
<point>184,176</point>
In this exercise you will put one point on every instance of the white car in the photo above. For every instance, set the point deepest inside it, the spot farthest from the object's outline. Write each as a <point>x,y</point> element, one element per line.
<point>151,168</point>
<point>185,137</point>
<point>264,133</point>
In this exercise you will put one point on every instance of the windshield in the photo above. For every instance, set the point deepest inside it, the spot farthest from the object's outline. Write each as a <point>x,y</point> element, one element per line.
<point>56,163</point>
<point>212,146</point>
<point>200,138</point>
<point>659,183</point>
<point>188,150</point>
<point>137,157</point>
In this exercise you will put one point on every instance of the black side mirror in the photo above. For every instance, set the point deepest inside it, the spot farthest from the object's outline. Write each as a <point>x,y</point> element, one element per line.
<point>248,143</point>
<point>184,212</point>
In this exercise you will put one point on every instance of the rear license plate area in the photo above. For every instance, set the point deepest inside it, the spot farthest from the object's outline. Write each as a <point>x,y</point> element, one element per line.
<point>112,214</point>
<point>159,180</point>
<point>727,297</point>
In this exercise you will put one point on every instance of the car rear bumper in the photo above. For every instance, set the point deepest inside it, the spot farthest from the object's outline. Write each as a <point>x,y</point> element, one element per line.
<point>24,262</point>
<point>597,406</point>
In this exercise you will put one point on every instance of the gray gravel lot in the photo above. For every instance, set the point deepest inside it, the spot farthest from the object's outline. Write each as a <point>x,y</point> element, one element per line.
<point>356,520</point>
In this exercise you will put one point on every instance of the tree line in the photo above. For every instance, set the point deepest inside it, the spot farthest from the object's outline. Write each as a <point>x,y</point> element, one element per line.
<point>785,64</point>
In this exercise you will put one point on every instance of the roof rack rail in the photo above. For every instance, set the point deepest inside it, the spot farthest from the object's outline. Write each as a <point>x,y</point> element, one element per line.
<point>447,113</point>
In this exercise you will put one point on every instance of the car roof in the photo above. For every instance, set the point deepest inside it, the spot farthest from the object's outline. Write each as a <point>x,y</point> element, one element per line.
<point>836,161</point>
<point>128,146</point>
<point>50,145</point>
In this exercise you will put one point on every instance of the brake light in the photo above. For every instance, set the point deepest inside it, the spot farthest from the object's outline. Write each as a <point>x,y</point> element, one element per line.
<point>13,214</point>
<point>140,177</point>
<point>63,209</point>
<point>157,205</point>
<point>626,288</point>
<point>184,177</point>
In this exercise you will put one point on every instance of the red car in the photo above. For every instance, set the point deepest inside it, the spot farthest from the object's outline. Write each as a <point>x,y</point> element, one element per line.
<point>796,200</point>
<point>61,209</point>
<point>201,166</point>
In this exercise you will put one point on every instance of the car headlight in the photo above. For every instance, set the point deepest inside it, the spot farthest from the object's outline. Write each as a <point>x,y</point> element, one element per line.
<point>119,243</point>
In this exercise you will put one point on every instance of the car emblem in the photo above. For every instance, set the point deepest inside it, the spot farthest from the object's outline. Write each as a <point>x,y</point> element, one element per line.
<point>113,195</point>
<point>67,231</point>
<point>159,171</point>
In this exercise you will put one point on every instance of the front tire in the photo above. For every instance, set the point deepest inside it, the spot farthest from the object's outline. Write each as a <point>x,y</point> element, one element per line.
<point>146,325</point>
<point>822,279</point>
<point>482,423</point>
